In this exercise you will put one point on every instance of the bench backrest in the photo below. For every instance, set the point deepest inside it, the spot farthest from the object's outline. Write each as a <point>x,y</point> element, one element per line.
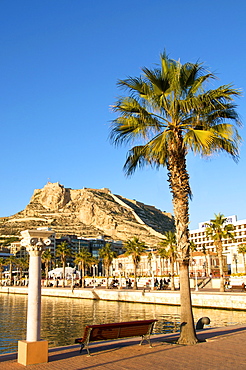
<point>118,330</point>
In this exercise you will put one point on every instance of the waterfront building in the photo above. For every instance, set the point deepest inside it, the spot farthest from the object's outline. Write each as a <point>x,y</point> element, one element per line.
<point>235,260</point>
<point>92,244</point>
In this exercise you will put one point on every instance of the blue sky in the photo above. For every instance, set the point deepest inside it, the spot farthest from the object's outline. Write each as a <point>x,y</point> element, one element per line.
<point>60,61</point>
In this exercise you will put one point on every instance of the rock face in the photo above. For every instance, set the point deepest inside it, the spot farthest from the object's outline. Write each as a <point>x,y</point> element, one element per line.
<point>89,213</point>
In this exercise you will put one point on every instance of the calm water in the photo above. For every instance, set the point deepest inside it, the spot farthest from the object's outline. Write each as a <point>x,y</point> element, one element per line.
<point>63,319</point>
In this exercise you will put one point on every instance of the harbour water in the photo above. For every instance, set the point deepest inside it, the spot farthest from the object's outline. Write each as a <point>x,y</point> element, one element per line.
<point>64,319</point>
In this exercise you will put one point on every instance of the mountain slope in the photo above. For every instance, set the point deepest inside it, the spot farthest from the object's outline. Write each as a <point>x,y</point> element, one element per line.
<point>89,213</point>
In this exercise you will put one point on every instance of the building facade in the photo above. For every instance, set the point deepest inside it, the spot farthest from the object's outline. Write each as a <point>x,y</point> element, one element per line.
<point>235,260</point>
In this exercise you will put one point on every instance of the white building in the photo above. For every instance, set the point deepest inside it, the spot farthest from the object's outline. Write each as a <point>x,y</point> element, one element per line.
<point>235,263</point>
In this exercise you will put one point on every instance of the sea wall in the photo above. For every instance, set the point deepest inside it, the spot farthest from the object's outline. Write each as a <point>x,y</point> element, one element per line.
<point>231,301</point>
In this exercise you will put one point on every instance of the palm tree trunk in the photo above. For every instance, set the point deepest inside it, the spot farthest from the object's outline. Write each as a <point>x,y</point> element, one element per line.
<point>162,266</point>
<point>222,283</point>
<point>187,329</point>
<point>135,277</point>
<point>172,273</point>
<point>46,272</point>
<point>179,184</point>
<point>10,273</point>
<point>83,274</point>
<point>244,265</point>
<point>107,275</point>
<point>63,272</point>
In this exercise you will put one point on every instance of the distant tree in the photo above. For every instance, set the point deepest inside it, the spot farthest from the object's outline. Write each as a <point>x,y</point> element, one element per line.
<point>149,257</point>
<point>5,242</point>
<point>135,248</point>
<point>242,249</point>
<point>2,264</point>
<point>22,263</point>
<point>63,251</point>
<point>47,258</point>
<point>164,256</point>
<point>83,259</point>
<point>107,255</point>
<point>11,261</point>
<point>170,246</point>
<point>218,230</point>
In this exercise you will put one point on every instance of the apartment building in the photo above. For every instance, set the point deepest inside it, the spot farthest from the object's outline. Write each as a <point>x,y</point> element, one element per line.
<point>235,260</point>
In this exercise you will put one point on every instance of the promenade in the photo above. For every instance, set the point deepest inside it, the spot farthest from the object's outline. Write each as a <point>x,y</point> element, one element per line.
<point>220,348</point>
<point>211,298</point>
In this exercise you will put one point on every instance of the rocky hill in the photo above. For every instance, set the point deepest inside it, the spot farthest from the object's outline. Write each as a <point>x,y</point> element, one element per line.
<point>89,213</point>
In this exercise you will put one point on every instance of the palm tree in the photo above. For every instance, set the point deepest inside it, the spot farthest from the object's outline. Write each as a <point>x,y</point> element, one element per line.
<point>170,246</point>
<point>2,264</point>
<point>167,113</point>
<point>46,258</point>
<point>149,258</point>
<point>11,261</point>
<point>217,230</point>
<point>22,263</point>
<point>82,259</point>
<point>134,247</point>
<point>63,251</point>
<point>164,256</point>
<point>242,249</point>
<point>107,255</point>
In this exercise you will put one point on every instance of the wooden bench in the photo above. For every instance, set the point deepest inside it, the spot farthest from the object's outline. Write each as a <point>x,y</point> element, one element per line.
<point>118,330</point>
<point>240,288</point>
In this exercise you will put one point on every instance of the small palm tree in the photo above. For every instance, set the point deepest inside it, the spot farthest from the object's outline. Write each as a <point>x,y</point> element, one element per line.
<point>11,261</point>
<point>164,256</point>
<point>170,246</point>
<point>217,230</point>
<point>22,263</point>
<point>83,259</point>
<point>107,255</point>
<point>149,258</point>
<point>63,251</point>
<point>47,258</point>
<point>135,248</point>
<point>242,249</point>
<point>2,264</point>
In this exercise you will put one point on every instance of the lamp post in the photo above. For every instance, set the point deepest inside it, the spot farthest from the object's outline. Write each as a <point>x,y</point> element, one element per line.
<point>94,275</point>
<point>195,265</point>
<point>34,350</point>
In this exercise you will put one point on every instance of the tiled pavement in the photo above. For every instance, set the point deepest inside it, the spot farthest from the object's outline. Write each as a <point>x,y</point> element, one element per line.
<point>224,348</point>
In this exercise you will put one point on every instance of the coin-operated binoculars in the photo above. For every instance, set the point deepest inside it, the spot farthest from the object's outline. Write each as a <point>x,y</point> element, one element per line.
<point>33,350</point>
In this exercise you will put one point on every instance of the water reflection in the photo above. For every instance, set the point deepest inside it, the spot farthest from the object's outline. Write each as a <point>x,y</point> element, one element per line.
<point>63,319</point>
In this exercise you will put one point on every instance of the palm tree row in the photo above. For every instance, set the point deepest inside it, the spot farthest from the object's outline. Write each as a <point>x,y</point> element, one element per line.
<point>12,261</point>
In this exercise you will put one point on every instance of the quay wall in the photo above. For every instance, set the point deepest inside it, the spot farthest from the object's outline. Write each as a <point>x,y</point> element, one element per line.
<point>226,300</point>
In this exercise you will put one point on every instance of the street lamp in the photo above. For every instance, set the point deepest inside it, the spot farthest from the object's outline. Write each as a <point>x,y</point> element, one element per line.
<point>195,265</point>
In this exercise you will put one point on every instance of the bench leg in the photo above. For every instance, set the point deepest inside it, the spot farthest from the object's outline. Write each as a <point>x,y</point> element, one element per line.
<point>86,342</point>
<point>146,337</point>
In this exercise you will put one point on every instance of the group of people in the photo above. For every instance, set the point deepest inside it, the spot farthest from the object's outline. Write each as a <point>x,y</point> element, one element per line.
<point>114,283</point>
<point>162,284</point>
